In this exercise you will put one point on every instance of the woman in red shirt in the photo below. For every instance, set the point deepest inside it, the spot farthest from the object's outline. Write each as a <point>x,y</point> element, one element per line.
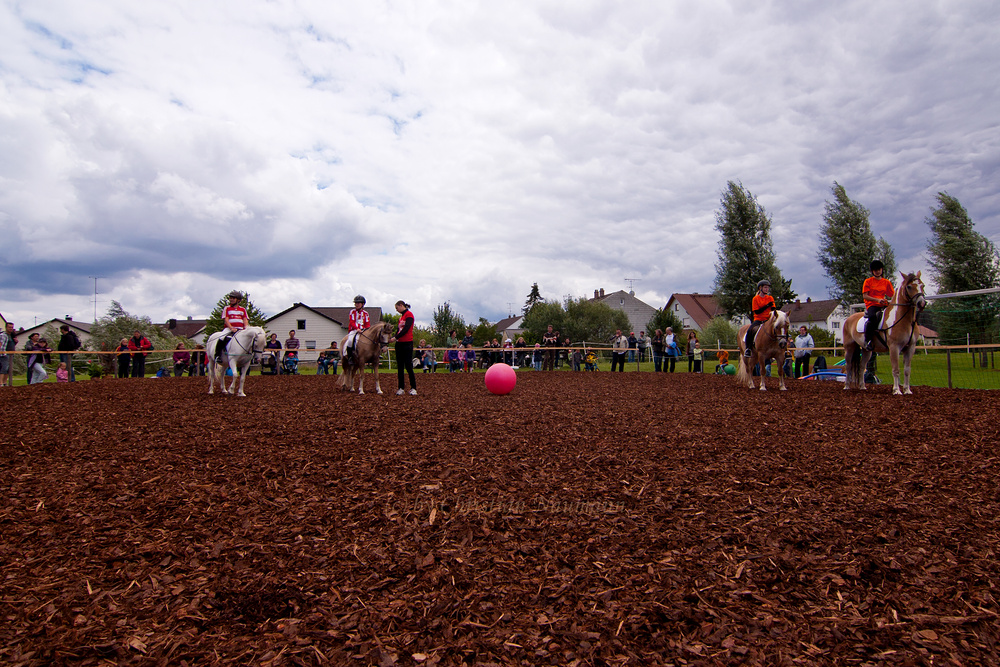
<point>762,305</point>
<point>404,348</point>
<point>876,292</point>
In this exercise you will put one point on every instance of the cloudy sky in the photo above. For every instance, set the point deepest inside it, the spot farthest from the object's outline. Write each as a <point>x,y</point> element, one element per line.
<point>458,151</point>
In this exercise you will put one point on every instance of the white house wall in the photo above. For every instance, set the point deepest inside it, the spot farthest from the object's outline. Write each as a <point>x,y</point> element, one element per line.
<point>318,329</point>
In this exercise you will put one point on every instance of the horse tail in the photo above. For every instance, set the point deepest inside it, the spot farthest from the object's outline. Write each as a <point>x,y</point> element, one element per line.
<point>852,364</point>
<point>742,376</point>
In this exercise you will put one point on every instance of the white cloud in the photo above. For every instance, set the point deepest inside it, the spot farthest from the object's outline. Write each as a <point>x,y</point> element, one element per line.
<point>443,151</point>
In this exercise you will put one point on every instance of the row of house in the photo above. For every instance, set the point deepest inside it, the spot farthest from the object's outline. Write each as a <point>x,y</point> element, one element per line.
<point>317,327</point>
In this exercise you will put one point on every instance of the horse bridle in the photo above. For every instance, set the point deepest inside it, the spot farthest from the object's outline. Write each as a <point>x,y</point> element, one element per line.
<point>253,350</point>
<point>910,303</point>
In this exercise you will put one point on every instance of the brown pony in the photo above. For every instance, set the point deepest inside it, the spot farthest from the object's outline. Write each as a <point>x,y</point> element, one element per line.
<point>770,342</point>
<point>896,334</point>
<point>368,348</point>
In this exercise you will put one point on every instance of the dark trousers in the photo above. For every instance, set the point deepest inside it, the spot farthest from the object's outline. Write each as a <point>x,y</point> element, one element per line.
<point>618,358</point>
<point>657,361</point>
<point>549,361</point>
<point>669,363</point>
<point>697,365</point>
<point>803,364</point>
<point>691,363</point>
<point>139,366</point>
<point>874,315</point>
<point>404,358</point>
<point>124,363</point>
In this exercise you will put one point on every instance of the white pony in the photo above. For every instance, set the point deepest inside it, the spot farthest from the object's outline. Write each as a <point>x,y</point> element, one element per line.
<point>238,356</point>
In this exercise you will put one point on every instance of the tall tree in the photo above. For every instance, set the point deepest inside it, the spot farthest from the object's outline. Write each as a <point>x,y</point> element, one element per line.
<point>214,323</point>
<point>444,320</point>
<point>962,259</point>
<point>534,296</point>
<point>746,253</point>
<point>847,247</point>
<point>592,321</point>
<point>662,319</point>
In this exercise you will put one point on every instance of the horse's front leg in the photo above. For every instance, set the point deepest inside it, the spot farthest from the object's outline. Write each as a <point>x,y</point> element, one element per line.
<point>781,375</point>
<point>361,381</point>
<point>378,389</point>
<point>211,377</point>
<point>759,361</point>
<point>894,358</point>
<point>906,370</point>
<point>243,377</point>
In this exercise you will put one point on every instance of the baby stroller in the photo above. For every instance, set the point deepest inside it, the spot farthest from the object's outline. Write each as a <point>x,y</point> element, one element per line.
<point>268,364</point>
<point>290,365</point>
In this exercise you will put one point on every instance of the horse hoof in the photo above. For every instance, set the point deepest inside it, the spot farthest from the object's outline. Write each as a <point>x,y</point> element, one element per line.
<point>784,388</point>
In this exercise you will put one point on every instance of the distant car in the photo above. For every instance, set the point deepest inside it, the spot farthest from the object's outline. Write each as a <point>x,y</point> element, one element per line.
<point>826,375</point>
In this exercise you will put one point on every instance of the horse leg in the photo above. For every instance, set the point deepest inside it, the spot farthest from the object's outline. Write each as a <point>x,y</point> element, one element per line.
<point>781,373</point>
<point>211,376</point>
<point>243,377</point>
<point>361,381</point>
<point>894,358</point>
<point>378,389</point>
<point>906,370</point>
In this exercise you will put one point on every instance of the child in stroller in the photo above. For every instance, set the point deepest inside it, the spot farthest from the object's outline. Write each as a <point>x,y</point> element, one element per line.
<point>268,364</point>
<point>290,365</point>
<point>590,361</point>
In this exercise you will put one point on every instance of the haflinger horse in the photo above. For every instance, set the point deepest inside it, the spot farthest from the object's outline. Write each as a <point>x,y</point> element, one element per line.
<point>897,334</point>
<point>770,342</point>
<point>238,356</point>
<point>368,349</point>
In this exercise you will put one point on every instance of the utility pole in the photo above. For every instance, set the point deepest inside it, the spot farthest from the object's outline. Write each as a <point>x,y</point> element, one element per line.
<point>95,295</point>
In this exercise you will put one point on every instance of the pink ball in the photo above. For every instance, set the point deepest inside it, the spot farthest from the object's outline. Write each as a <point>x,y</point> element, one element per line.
<point>500,379</point>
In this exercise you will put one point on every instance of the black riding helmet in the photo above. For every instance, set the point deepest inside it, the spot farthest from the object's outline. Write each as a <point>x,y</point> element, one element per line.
<point>359,299</point>
<point>763,282</point>
<point>876,265</point>
<point>235,294</point>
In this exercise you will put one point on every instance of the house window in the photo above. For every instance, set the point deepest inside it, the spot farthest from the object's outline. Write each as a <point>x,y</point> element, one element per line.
<point>310,345</point>
<point>686,322</point>
<point>677,307</point>
<point>835,325</point>
<point>300,325</point>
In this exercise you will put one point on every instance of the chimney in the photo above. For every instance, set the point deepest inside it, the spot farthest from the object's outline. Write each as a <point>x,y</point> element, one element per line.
<point>595,294</point>
<point>190,318</point>
<point>68,318</point>
<point>171,323</point>
<point>602,292</point>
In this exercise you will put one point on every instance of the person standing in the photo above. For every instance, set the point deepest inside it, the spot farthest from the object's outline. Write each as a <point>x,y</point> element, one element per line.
<point>550,340</point>
<point>643,345</point>
<point>619,345</point>
<point>633,345</point>
<point>656,343</point>
<point>804,344</point>
<point>291,350</point>
<point>8,343</point>
<point>671,349</point>
<point>404,348</point>
<point>124,358</point>
<point>140,347</point>
<point>692,341</point>
<point>68,342</point>
<point>36,362</point>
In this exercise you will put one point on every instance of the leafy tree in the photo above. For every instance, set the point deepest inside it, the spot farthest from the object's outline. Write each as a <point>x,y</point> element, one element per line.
<point>537,320</point>
<point>116,324</point>
<point>484,331</point>
<point>662,319</point>
<point>591,321</point>
<point>847,247</point>
<point>534,296</point>
<point>719,331</point>
<point>821,337</point>
<point>254,314</point>
<point>746,253</point>
<point>962,259</point>
<point>444,320</point>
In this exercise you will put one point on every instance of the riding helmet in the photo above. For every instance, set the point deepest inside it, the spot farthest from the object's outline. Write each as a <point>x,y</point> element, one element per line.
<point>235,294</point>
<point>359,299</point>
<point>763,282</point>
<point>876,265</point>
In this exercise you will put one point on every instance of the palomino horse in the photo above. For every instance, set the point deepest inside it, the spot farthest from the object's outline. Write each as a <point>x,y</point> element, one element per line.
<point>896,334</point>
<point>238,356</point>
<point>770,342</point>
<point>368,348</point>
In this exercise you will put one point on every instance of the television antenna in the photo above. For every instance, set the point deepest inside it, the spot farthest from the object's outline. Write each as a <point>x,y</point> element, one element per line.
<point>510,309</point>
<point>95,295</point>
<point>630,282</point>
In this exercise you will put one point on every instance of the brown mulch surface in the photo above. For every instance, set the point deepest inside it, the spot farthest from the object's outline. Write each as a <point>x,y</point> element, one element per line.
<point>587,518</point>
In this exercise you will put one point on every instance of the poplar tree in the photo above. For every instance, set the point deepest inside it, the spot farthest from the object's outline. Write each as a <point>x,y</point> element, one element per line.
<point>746,253</point>
<point>847,247</point>
<point>962,259</point>
<point>534,296</point>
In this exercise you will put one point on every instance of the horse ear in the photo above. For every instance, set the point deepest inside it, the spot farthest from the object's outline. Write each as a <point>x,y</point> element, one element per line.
<point>903,275</point>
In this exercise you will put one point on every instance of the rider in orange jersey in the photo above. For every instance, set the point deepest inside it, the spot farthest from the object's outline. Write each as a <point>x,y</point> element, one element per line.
<point>762,305</point>
<point>876,292</point>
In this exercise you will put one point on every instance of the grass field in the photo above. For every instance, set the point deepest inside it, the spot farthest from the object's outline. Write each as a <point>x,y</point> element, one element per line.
<point>928,370</point>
